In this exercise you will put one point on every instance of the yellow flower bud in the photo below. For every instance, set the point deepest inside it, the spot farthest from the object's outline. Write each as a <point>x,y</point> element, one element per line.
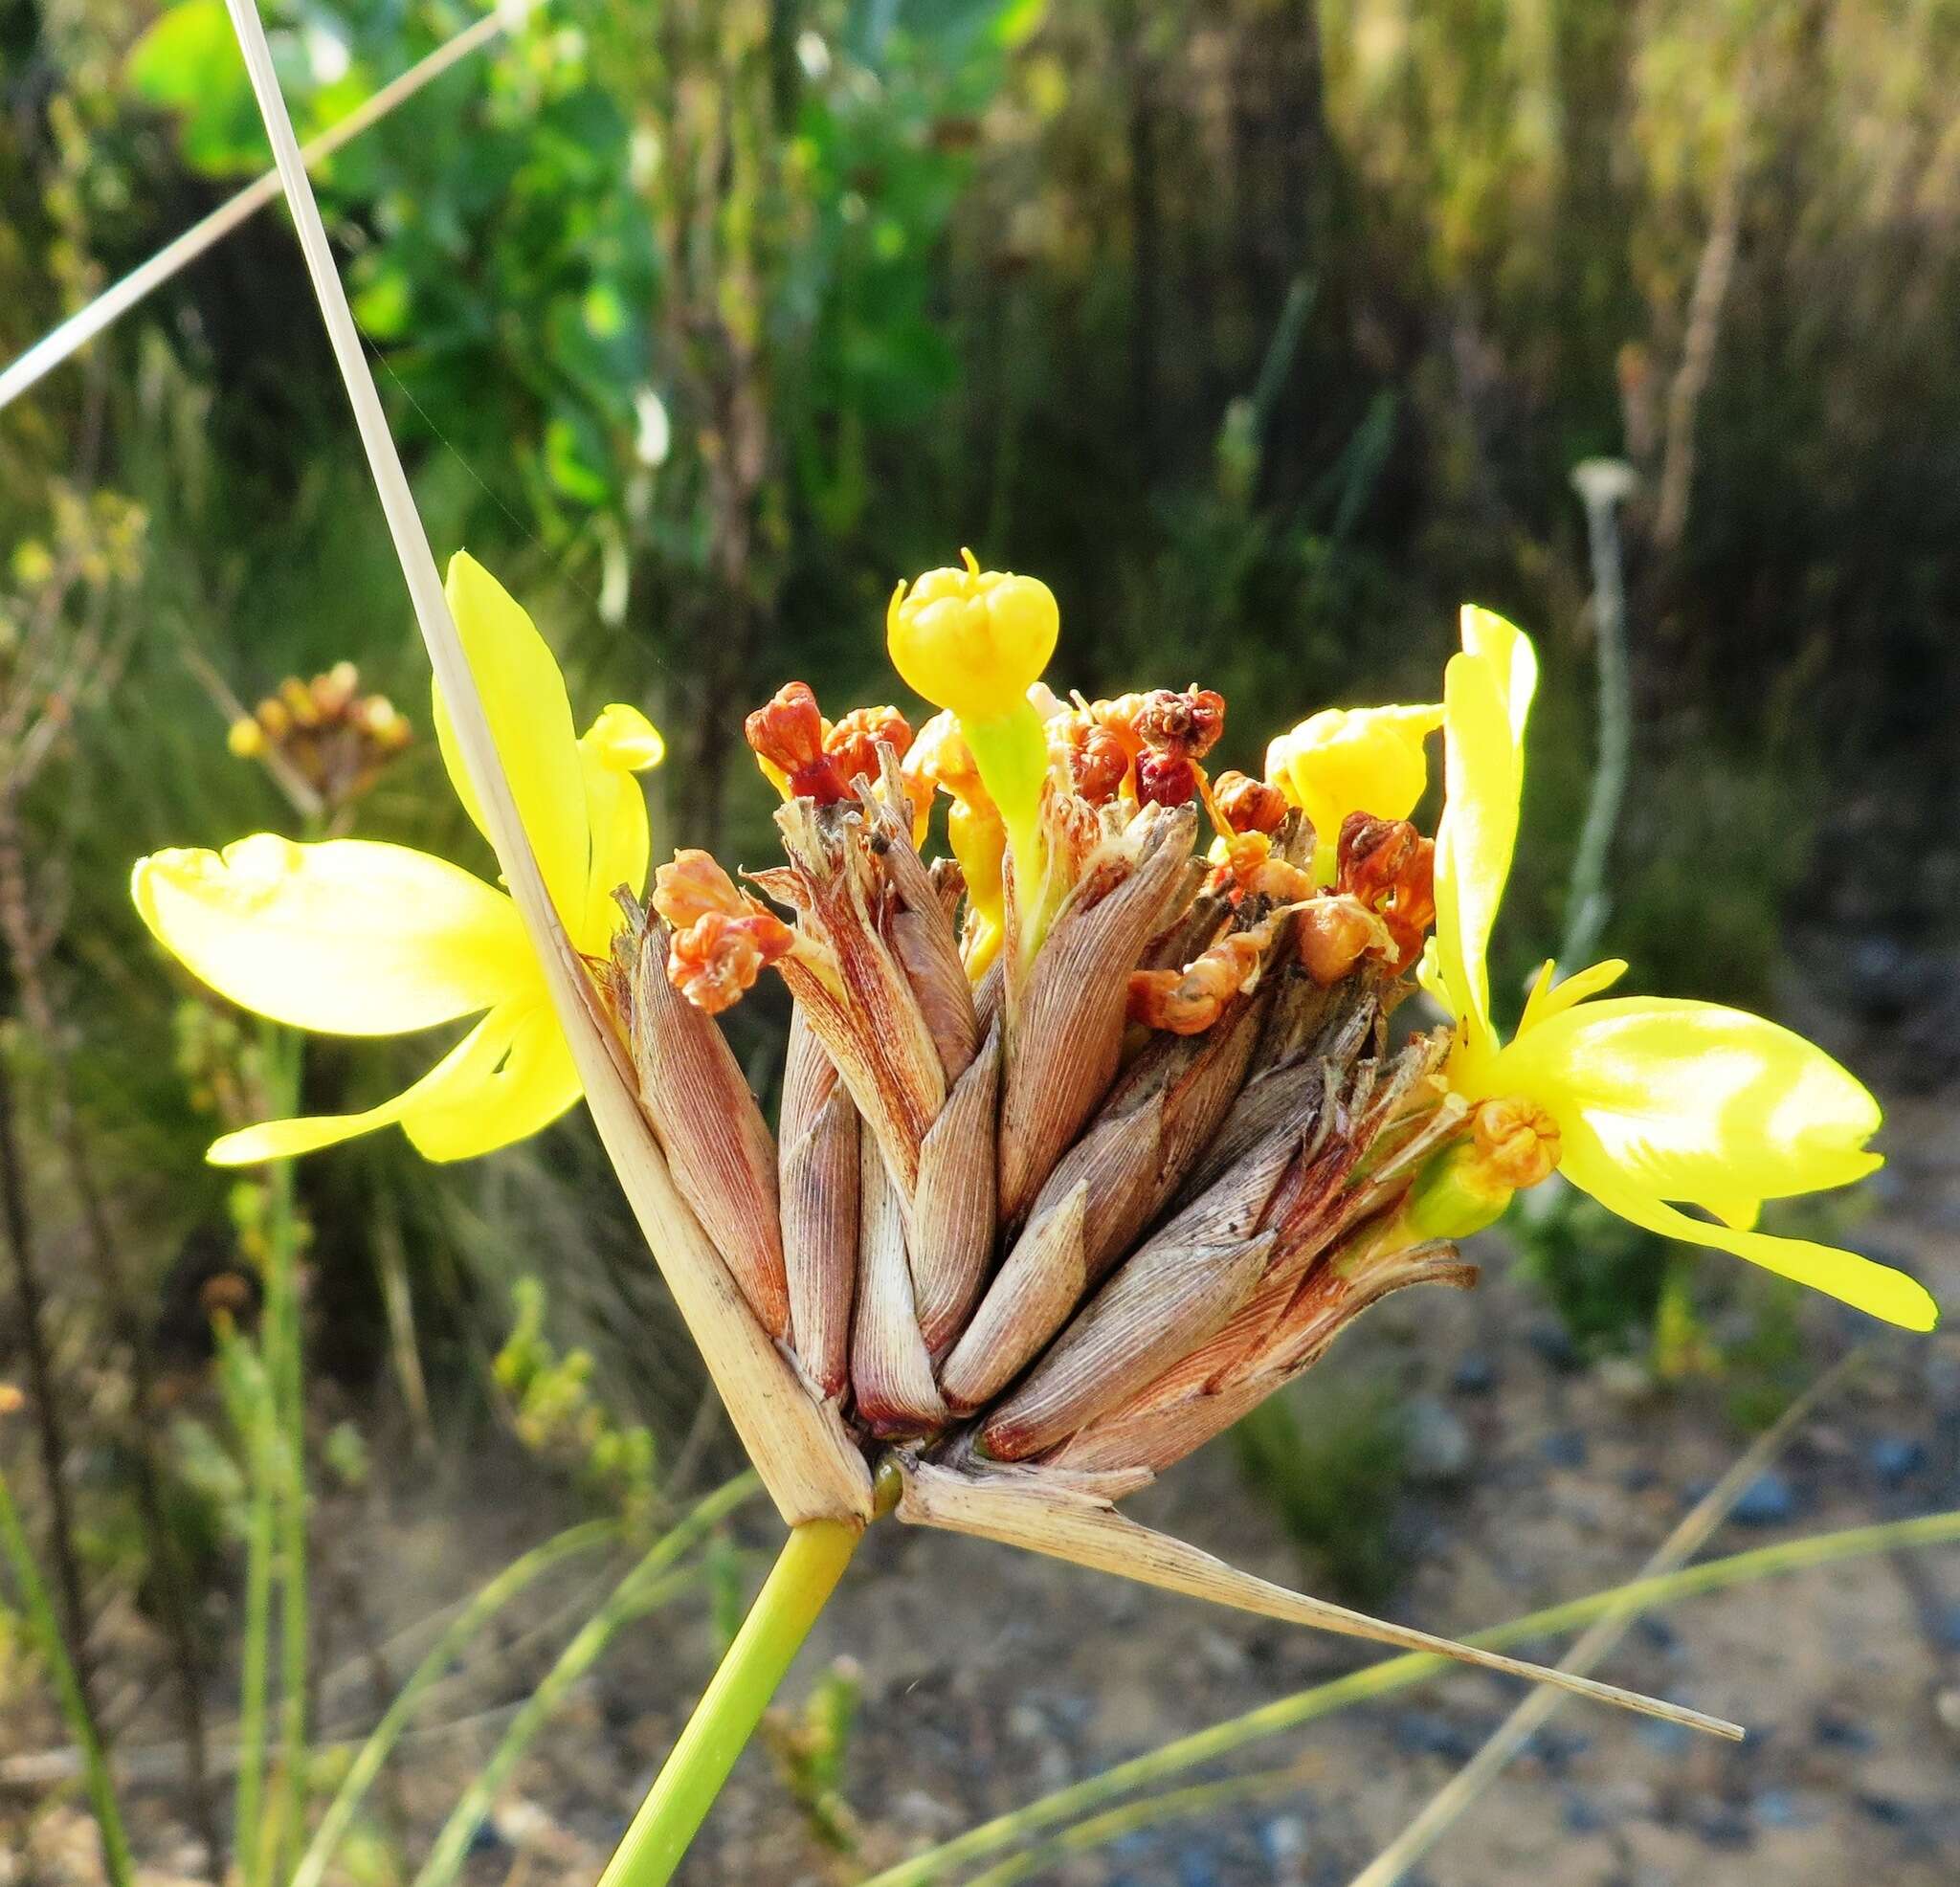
<point>245,737</point>
<point>972,640</point>
<point>1353,759</point>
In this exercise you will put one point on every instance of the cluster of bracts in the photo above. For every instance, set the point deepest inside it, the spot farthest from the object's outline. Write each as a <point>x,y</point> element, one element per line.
<point>1084,1206</point>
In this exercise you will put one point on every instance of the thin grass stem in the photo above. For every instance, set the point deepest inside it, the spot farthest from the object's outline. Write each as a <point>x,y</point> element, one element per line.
<point>1395,1674</point>
<point>1536,1709</point>
<point>489,1600</point>
<point>73,335</point>
<point>47,1630</point>
<point>648,1584</point>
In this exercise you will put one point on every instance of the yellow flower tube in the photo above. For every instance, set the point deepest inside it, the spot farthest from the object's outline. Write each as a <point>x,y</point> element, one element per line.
<point>355,938</point>
<point>1646,1103</point>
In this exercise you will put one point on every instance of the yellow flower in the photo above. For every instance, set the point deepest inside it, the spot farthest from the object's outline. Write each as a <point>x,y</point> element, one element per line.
<point>1353,759</point>
<point>1646,1103</point>
<point>974,642</point>
<point>355,938</point>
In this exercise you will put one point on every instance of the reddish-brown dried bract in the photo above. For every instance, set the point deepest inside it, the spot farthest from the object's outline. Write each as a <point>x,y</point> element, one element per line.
<point>787,732</point>
<point>715,961</point>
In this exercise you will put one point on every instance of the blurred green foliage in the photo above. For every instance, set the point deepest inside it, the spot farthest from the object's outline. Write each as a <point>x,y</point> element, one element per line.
<point>1265,332</point>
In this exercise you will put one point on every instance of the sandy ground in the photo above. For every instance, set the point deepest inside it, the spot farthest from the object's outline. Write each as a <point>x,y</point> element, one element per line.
<point>990,1677</point>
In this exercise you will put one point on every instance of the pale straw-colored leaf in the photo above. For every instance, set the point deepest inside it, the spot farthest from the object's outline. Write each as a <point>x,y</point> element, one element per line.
<point>819,1184</point>
<point>806,1460</point>
<point>1074,1520</point>
<point>717,1144</point>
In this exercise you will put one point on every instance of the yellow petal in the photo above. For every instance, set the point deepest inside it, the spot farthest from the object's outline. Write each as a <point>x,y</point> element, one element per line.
<point>350,937</point>
<point>1483,777</point>
<point>1507,651</point>
<point>531,719</point>
<point>1353,759</point>
<point>1694,1102</point>
<point>510,1075</point>
<point>1549,998</point>
<point>1874,1288</point>
<point>531,1081</point>
<point>610,753</point>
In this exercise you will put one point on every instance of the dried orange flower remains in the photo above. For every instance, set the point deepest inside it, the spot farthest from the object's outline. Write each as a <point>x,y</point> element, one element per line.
<point>1093,1134</point>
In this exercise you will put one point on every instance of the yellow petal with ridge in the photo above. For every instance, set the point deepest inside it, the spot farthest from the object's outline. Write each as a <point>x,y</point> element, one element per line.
<point>1877,1289</point>
<point>1694,1102</point>
<point>349,937</point>
<point>509,1076</point>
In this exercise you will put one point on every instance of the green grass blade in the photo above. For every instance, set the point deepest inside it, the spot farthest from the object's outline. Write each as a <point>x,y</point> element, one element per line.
<point>648,1584</point>
<point>40,1616</point>
<point>487,1602</point>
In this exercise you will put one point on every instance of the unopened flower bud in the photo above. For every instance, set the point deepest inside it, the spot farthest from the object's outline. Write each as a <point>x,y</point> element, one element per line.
<point>1349,759</point>
<point>245,737</point>
<point>972,640</point>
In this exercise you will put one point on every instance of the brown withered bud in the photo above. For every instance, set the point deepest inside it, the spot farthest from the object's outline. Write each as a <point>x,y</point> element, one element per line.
<point>1389,868</point>
<point>1187,725</point>
<point>693,885</point>
<point>1098,759</point>
<point>852,743</point>
<point>1166,779</point>
<point>715,961</point>
<point>1332,934</point>
<point>1251,871</point>
<point>1516,1142</point>
<point>1188,1001</point>
<point>1248,805</point>
<point>787,732</point>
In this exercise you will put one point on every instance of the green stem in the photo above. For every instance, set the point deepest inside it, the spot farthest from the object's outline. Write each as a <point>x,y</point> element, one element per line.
<point>1012,754</point>
<point>249,1405</point>
<point>283,1345</point>
<point>813,1561</point>
<point>47,1631</point>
